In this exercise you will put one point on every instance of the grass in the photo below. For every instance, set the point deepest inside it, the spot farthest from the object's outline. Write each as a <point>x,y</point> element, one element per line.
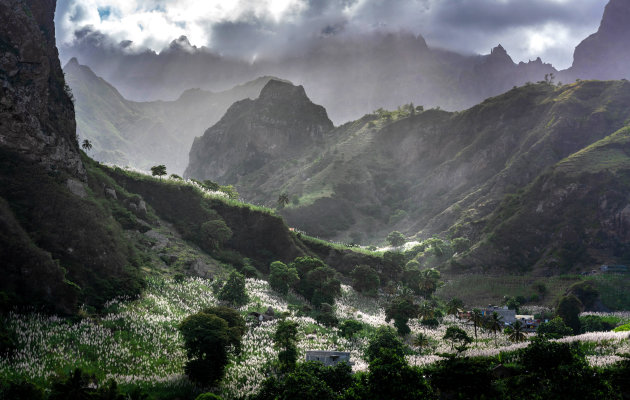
<point>614,290</point>
<point>481,290</point>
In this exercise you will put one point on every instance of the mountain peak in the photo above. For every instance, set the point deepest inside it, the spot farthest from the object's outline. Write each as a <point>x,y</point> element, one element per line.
<point>181,43</point>
<point>277,89</point>
<point>499,54</point>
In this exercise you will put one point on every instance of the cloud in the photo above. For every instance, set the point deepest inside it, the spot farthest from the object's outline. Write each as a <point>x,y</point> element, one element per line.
<point>246,28</point>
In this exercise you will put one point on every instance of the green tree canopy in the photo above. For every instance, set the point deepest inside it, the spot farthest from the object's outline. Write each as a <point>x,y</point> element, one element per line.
<point>401,309</point>
<point>569,309</point>
<point>233,291</point>
<point>285,340</point>
<point>458,337</point>
<point>215,232</point>
<point>208,338</point>
<point>282,277</point>
<point>365,280</point>
<point>396,239</point>
<point>158,170</point>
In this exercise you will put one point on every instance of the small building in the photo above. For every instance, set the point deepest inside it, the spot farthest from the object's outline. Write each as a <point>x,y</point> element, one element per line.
<point>508,316</point>
<point>328,358</point>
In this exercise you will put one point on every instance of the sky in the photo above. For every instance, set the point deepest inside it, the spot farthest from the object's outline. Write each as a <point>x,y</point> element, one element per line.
<point>248,29</point>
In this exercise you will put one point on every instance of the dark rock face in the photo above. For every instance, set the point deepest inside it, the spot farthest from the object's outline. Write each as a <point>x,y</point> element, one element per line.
<point>281,123</point>
<point>36,113</point>
<point>606,53</point>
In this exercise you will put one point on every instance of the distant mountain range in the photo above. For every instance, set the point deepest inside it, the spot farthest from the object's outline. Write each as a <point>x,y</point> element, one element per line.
<point>352,76</point>
<point>143,134</point>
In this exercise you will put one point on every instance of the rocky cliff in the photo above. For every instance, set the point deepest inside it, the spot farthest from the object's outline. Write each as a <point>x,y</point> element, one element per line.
<point>36,111</point>
<point>257,137</point>
<point>606,53</point>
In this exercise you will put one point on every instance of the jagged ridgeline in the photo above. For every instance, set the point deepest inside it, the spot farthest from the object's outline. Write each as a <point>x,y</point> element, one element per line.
<point>424,172</point>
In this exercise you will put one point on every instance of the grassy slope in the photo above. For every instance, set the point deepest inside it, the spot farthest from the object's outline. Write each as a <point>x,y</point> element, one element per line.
<point>570,218</point>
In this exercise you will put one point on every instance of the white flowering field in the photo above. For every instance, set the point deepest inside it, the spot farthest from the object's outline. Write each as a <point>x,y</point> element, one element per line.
<point>137,342</point>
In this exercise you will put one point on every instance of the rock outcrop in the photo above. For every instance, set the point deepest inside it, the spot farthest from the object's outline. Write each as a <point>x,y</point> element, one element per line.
<point>256,134</point>
<point>36,110</point>
<point>606,53</point>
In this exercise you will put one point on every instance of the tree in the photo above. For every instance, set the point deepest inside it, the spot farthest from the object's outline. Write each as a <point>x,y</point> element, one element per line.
<point>233,291</point>
<point>87,145</point>
<point>477,319</point>
<point>569,309</point>
<point>429,281</point>
<point>365,280</point>
<point>454,306</point>
<point>516,332</point>
<point>285,340</point>
<point>282,277</point>
<point>396,239</point>
<point>349,328</point>
<point>401,309</point>
<point>458,337</point>
<point>495,323</point>
<point>283,200</point>
<point>512,303</point>
<point>421,341</point>
<point>318,282</point>
<point>554,329</point>
<point>215,232</point>
<point>384,339</point>
<point>208,339</point>
<point>393,263</point>
<point>158,170</point>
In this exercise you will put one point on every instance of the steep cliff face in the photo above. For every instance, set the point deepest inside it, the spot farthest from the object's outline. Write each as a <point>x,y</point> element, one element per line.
<point>606,53</point>
<point>254,135</point>
<point>36,111</point>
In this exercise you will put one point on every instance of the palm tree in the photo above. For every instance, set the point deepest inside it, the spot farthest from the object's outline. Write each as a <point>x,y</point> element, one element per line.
<point>283,200</point>
<point>476,317</point>
<point>516,333</point>
<point>87,145</point>
<point>454,306</point>
<point>495,323</point>
<point>426,311</point>
<point>421,341</point>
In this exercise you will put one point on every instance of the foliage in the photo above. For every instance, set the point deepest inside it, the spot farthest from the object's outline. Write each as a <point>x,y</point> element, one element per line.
<point>215,232</point>
<point>393,263</point>
<point>158,170</point>
<point>477,319</point>
<point>454,306</point>
<point>458,337</point>
<point>554,329</point>
<point>208,396</point>
<point>384,339</point>
<point>285,339</point>
<point>569,308</point>
<point>283,200</point>
<point>233,291</point>
<point>282,277</point>
<point>208,337</point>
<point>516,332</point>
<point>429,282</point>
<point>318,282</point>
<point>86,145</point>
<point>401,309</point>
<point>594,323</point>
<point>396,239</point>
<point>349,328</point>
<point>365,280</point>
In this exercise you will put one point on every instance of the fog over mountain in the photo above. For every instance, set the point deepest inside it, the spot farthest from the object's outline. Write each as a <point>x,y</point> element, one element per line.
<point>351,56</point>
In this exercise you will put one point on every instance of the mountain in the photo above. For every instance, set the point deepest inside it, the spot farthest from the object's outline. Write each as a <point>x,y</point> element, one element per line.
<point>576,213</point>
<point>75,232</point>
<point>143,134</point>
<point>348,75</point>
<point>605,54</point>
<point>424,172</point>
<point>255,137</point>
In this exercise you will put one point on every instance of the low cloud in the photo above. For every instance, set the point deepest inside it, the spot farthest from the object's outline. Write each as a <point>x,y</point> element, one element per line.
<point>251,28</point>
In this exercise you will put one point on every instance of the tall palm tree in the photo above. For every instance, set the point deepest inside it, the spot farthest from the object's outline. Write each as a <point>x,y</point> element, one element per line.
<point>476,317</point>
<point>87,145</point>
<point>421,341</point>
<point>283,200</point>
<point>495,323</point>
<point>516,333</point>
<point>454,306</point>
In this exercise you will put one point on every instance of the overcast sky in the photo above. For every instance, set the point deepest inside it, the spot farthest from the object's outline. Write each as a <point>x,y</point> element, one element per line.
<point>549,29</point>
